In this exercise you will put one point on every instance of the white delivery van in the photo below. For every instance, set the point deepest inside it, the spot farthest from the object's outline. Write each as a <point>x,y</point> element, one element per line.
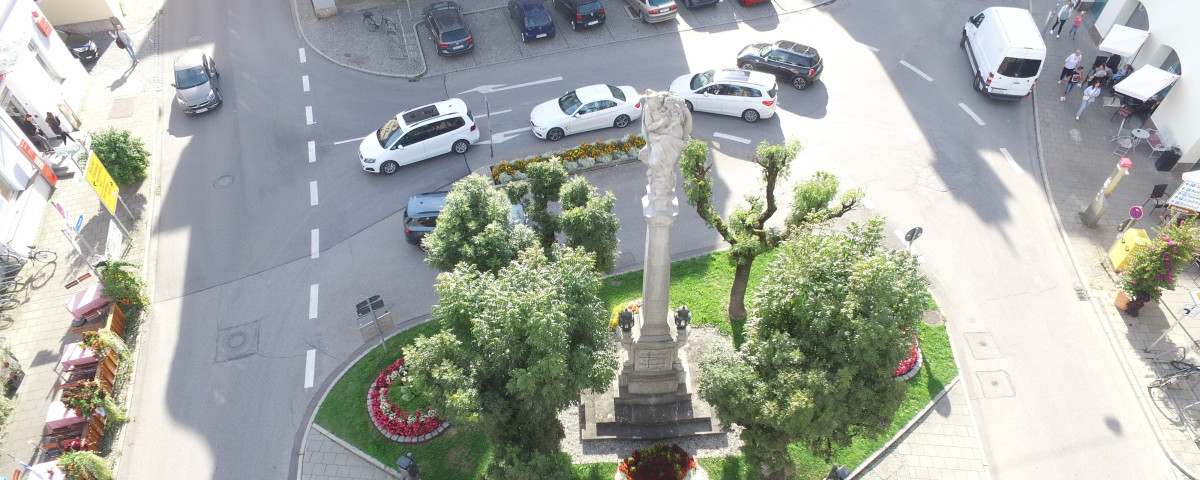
<point>1006,51</point>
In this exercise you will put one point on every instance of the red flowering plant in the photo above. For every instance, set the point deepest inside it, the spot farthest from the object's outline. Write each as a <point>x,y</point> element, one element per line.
<point>392,418</point>
<point>1151,269</point>
<point>74,444</point>
<point>906,365</point>
<point>659,462</point>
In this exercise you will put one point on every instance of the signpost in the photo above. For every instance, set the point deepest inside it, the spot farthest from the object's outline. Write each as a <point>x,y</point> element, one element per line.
<point>373,306</point>
<point>912,236</point>
<point>1135,212</point>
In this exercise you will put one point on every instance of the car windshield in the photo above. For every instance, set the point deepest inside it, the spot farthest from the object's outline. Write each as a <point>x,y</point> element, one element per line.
<point>190,77</point>
<point>590,7</point>
<point>569,103</point>
<point>702,79</point>
<point>659,3</point>
<point>537,20</point>
<point>388,133</point>
<point>762,52</point>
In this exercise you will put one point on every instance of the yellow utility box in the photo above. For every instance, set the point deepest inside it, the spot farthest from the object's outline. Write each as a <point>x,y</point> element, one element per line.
<point>1133,239</point>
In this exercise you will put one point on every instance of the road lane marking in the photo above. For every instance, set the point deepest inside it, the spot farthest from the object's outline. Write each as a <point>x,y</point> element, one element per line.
<point>316,243</point>
<point>302,57</point>
<point>312,301</point>
<point>310,364</point>
<point>304,81</point>
<point>359,139</point>
<point>868,204</point>
<point>497,112</point>
<point>308,114</point>
<point>312,193</point>
<point>731,137</point>
<point>873,49</point>
<point>312,151</point>
<point>498,88</point>
<point>1012,163</point>
<point>504,136</point>
<point>972,114</point>
<point>917,70</point>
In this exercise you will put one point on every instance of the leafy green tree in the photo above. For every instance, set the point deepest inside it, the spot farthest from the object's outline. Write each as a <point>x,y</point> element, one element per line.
<point>587,221</point>
<point>517,347</point>
<point>835,313</point>
<point>474,228</point>
<point>745,231</point>
<point>122,154</point>
<point>545,183</point>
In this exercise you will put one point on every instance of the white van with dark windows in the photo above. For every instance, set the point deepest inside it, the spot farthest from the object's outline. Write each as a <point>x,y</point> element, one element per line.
<point>1006,51</point>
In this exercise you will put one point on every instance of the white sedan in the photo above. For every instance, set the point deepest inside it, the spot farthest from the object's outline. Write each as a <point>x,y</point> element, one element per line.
<point>586,108</point>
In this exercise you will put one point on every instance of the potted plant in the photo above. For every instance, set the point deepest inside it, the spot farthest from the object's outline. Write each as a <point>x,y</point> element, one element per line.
<point>660,462</point>
<point>102,342</point>
<point>1152,269</point>
<point>87,397</point>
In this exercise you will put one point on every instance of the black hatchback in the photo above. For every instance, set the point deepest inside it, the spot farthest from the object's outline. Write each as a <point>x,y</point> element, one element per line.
<point>532,19</point>
<point>801,64</point>
<point>582,13</point>
<point>80,45</point>
<point>445,20</point>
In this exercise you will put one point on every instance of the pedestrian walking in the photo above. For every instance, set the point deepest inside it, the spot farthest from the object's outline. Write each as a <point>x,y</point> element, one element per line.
<point>1069,65</point>
<point>1089,96</point>
<point>1060,20</point>
<point>123,41</point>
<point>1078,22</point>
<point>1075,81</point>
<point>56,127</point>
<point>35,134</point>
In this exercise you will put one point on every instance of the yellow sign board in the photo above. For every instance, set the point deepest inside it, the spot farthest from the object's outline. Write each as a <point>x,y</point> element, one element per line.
<point>98,177</point>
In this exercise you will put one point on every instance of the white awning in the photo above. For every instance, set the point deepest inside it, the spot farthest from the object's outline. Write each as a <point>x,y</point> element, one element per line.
<point>1123,41</point>
<point>1145,82</point>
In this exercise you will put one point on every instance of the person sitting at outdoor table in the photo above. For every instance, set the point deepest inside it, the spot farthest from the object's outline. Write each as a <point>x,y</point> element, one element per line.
<point>1100,74</point>
<point>1122,72</point>
<point>1145,110</point>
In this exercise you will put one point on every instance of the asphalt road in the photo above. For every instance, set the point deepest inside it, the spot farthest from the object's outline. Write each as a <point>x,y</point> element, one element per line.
<point>269,231</point>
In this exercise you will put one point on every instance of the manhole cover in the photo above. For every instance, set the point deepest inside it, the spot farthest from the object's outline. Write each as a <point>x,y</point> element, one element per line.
<point>932,317</point>
<point>193,39</point>
<point>122,107</point>
<point>237,342</point>
<point>995,384</point>
<point>982,345</point>
<point>223,181</point>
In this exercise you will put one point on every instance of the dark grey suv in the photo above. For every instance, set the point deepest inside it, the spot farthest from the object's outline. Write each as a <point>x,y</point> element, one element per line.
<point>449,29</point>
<point>800,64</point>
<point>421,215</point>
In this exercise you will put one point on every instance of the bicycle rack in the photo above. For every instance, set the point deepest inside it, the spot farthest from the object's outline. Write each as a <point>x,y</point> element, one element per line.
<point>1164,359</point>
<point>395,43</point>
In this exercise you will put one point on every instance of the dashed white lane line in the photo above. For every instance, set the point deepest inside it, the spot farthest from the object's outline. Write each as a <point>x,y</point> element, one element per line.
<point>308,115</point>
<point>731,137</point>
<point>312,301</point>
<point>312,151</point>
<point>873,49</point>
<point>310,366</point>
<point>916,70</point>
<point>972,114</point>
<point>497,112</point>
<point>302,57</point>
<point>1012,163</point>
<point>312,193</point>
<point>339,142</point>
<point>315,244</point>
<point>304,82</point>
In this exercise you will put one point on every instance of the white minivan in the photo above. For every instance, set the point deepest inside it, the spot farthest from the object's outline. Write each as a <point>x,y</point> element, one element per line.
<point>1006,51</point>
<point>418,134</point>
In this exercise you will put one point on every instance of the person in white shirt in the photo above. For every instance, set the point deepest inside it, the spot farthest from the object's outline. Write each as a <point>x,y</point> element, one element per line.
<point>1070,64</point>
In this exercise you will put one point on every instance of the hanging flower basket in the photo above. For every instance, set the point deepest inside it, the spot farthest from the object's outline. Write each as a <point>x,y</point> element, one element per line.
<point>391,420</point>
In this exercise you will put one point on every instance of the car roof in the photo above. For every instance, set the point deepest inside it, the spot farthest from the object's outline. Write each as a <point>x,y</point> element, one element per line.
<point>189,59</point>
<point>448,15</point>
<point>797,48</point>
<point>744,76</point>
<point>453,106</point>
<point>531,6</point>
<point>424,204</point>
<point>592,93</point>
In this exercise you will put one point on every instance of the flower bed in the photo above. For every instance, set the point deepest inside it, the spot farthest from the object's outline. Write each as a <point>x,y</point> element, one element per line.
<point>586,155</point>
<point>911,365</point>
<point>659,462</point>
<point>393,422</point>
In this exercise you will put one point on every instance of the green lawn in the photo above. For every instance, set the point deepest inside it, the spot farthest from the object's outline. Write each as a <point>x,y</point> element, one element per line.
<point>702,284</point>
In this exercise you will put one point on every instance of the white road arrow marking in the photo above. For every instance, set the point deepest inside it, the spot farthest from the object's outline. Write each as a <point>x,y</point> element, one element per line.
<point>504,136</point>
<point>498,88</point>
<point>731,137</point>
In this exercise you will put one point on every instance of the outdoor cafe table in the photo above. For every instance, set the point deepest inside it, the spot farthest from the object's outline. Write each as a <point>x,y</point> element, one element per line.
<point>59,416</point>
<point>85,301</point>
<point>48,470</point>
<point>76,354</point>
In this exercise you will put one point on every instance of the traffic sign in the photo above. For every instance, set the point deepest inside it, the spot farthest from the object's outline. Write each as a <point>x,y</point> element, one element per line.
<point>913,234</point>
<point>1187,196</point>
<point>1135,212</point>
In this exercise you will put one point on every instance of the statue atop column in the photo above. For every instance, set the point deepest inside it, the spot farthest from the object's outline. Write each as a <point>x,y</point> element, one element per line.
<point>667,125</point>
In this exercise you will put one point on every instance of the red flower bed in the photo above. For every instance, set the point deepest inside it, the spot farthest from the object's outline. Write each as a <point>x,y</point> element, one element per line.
<point>659,462</point>
<point>392,418</point>
<point>914,354</point>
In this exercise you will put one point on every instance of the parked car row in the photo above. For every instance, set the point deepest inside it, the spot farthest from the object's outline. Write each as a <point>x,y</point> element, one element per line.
<point>453,36</point>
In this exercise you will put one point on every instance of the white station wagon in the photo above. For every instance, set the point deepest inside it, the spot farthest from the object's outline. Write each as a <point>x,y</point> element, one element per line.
<point>418,134</point>
<point>729,91</point>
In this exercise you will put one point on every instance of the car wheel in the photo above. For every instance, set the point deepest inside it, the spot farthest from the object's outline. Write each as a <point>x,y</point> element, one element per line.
<point>645,19</point>
<point>554,135</point>
<point>689,105</point>
<point>800,83</point>
<point>524,39</point>
<point>574,26</point>
<point>747,66</point>
<point>421,245</point>
<point>622,121</point>
<point>389,167</point>
<point>461,146</point>
<point>750,115</point>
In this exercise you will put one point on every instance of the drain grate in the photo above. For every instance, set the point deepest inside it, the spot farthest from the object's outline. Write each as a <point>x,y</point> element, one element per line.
<point>982,346</point>
<point>995,384</point>
<point>237,342</point>
<point>223,181</point>
<point>122,108</point>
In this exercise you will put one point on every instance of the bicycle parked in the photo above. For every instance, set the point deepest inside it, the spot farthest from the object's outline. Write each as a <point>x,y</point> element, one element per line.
<point>372,25</point>
<point>1182,370</point>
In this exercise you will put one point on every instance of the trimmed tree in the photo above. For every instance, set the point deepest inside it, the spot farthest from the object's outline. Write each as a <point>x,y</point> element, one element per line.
<point>745,231</point>
<point>587,221</point>
<point>834,314</point>
<point>517,347</point>
<point>474,228</point>
<point>122,154</point>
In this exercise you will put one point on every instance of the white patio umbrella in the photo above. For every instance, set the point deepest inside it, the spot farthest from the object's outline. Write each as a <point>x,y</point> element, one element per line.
<point>1123,41</point>
<point>1144,82</point>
